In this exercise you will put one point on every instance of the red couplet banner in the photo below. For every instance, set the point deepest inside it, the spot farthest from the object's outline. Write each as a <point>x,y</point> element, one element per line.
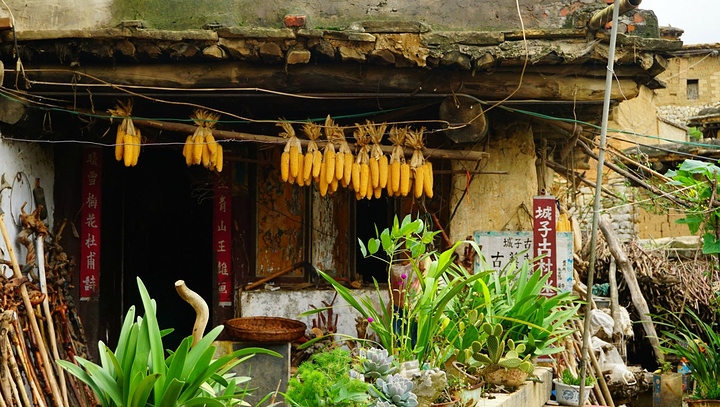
<point>222,239</point>
<point>91,191</point>
<point>544,244</point>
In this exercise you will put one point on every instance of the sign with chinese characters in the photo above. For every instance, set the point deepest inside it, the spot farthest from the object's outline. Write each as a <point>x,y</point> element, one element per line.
<point>91,190</point>
<point>222,239</point>
<point>544,220</point>
<point>500,248</point>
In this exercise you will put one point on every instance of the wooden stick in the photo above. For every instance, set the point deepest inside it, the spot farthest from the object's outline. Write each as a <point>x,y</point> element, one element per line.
<point>5,380</point>
<point>39,246</point>
<point>13,386</point>
<point>632,283</point>
<point>31,316</point>
<point>568,173</point>
<point>202,314</point>
<point>273,275</point>
<point>29,371</point>
<point>16,373</point>
<point>601,380</point>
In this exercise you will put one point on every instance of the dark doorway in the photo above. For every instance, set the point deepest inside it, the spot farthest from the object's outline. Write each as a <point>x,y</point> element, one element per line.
<point>371,215</point>
<point>157,226</point>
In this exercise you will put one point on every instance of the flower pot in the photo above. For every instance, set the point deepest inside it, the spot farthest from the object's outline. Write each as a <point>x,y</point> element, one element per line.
<point>568,395</point>
<point>667,389</point>
<point>702,403</point>
<point>452,403</point>
<point>507,377</point>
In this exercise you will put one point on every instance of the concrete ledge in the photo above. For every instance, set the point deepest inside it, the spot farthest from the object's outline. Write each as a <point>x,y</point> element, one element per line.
<point>530,394</point>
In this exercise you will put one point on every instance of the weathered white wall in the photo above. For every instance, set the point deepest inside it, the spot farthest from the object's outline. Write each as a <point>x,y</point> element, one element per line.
<point>30,161</point>
<point>289,304</point>
<point>496,201</point>
<point>60,14</point>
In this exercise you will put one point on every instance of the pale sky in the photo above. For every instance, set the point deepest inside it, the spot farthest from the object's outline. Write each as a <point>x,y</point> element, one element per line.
<point>699,18</point>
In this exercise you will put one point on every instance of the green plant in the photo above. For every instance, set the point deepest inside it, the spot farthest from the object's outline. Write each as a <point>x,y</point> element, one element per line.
<point>395,390</point>
<point>376,363</point>
<point>700,348</point>
<point>496,356</point>
<point>324,380</point>
<point>138,374</point>
<point>700,179</point>
<point>527,316</point>
<point>571,379</point>
<point>410,332</point>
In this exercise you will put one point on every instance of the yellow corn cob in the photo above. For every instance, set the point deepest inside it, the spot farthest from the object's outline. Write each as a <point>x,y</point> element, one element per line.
<point>382,171</point>
<point>378,193</point>
<point>323,184</point>
<point>219,159</point>
<point>395,171</point>
<point>127,150</point>
<point>404,179</point>
<point>301,171</point>
<point>307,167</point>
<point>333,185</point>
<point>285,166</point>
<point>357,196</point>
<point>339,166</point>
<point>374,173</point>
<point>347,171</point>
<point>212,144</point>
<point>119,141</point>
<point>364,179</point>
<point>136,147</point>
<point>419,180</point>
<point>428,182</point>
<point>294,159</point>
<point>356,177</point>
<point>189,154</point>
<point>370,191</point>
<point>330,164</point>
<point>198,146</point>
<point>317,163</point>
<point>206,156</point>
<point>389,185</point>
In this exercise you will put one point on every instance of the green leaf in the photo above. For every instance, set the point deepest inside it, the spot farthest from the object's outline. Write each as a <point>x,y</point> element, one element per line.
<point>373,246</point>
<point>363,250</point>
<point>105,382</point>
<point>157,351</point>
<point>386,240</point>
<point>171,393</point>
<point>84,377</point>
<point>202,402</point>
<point>142,391</point>
<point>710,244</point>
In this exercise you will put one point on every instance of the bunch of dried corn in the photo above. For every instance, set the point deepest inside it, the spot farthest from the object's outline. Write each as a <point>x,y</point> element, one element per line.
<point>344,159</point>
<point>128,139</point>
<point>312,164</point>
<point>399,174</point>
<point>328,180</point>
<point>201,147</point>
<point>378,160</point>
<point>361,182</point>
<point>290,166</point>
<point>422,172</point>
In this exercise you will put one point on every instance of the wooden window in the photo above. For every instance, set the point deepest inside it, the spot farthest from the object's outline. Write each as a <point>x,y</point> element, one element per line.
<point>693,92</point>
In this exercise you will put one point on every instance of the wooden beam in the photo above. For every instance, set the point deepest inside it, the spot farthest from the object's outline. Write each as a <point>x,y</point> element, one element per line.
<point>464,155</point>
<point>346,78</point>
<point>676,151</point>
<point>636,295</point>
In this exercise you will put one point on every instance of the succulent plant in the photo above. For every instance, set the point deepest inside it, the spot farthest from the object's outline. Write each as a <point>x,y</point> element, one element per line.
<point>381,403</point>
<point>395,390</point>
<point>496,356</point>
<point>376,363</point>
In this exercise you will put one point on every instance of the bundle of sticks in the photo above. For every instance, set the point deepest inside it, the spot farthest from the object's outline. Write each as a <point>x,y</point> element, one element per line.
<point>39,323</point>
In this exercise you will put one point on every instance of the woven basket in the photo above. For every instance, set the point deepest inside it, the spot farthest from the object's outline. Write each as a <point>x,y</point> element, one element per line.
<point>265,329</point>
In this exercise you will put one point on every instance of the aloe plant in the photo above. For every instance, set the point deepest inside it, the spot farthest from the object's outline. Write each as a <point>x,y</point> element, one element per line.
<point>137,373</point>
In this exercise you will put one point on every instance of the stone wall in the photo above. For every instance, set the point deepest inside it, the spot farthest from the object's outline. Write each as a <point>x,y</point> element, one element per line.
<point>481,15</point>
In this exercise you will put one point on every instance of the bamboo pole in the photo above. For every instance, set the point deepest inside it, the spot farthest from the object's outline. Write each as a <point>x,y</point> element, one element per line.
<point>35,329</point>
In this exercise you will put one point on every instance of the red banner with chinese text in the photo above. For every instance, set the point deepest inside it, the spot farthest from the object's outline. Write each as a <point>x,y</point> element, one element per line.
<point>222,238</point>
<point>544,242</point>
<point>91,191</point>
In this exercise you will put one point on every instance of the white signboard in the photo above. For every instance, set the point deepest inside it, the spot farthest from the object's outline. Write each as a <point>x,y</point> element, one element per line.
<point>500,248</point>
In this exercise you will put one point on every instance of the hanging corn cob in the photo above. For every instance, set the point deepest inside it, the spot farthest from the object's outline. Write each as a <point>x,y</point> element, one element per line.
<point>313,156</point>
<point>378,160</point>
<point>363,164</point>
<point>397,159</point>
<point>201,147</point>
<point>329,152</point>
<point>290,158</point>
<point>344,159</point>
<point>127,139</point>
<point>414,140</point>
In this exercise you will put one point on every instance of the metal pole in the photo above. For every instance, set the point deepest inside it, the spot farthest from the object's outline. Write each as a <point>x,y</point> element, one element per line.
<point>596,210</point>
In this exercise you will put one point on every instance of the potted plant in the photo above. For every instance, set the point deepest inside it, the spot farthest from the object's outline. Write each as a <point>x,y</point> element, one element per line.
<point>700,348</point>
<point>667,385</point>
<point>567,389</point>
<point>137,373</point>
